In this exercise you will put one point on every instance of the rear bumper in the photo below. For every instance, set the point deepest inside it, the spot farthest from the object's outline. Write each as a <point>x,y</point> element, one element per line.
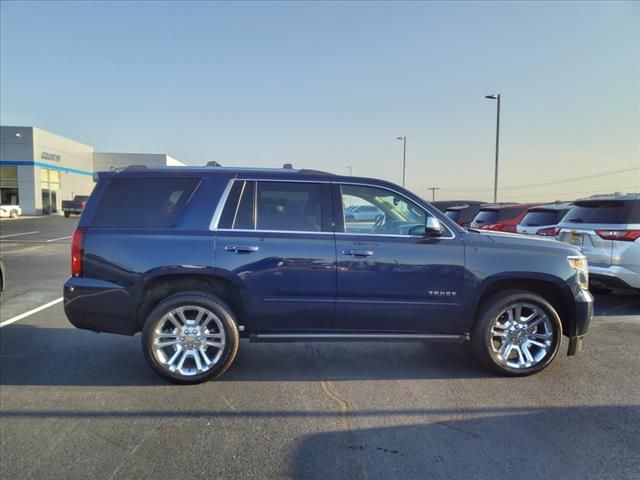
<point>99,306</point>
<point>614,276</point>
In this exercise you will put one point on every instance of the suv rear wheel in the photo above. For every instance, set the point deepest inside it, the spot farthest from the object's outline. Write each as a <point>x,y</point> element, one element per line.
<point>190,337</point>
<point>517,333</point>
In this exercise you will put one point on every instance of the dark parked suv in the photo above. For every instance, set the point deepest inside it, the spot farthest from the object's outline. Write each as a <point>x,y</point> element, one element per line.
<point>197,258</point>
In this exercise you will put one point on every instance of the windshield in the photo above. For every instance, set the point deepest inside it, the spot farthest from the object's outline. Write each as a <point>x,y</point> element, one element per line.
<point>537,218</point>
<point>611,212</point>
<point>453,214</point>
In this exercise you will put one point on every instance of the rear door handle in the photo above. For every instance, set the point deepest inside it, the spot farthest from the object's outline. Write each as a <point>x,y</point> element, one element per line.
<point>358,253</point>
<point>241,248</point>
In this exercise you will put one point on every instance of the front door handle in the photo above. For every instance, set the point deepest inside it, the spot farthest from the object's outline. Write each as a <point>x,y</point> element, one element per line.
<point>241,248</point>
<point>358,253</point>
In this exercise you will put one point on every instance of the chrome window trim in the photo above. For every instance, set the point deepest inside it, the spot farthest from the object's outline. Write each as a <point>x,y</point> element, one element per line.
<point>235,214</point>
<point>452,233</point>
<point>389,235</point>
<point>244,230</point>
<point>281,180</point>
<point>221,203</point>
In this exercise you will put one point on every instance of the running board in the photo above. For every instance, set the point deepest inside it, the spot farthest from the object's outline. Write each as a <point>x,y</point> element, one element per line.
<point>358,337</point>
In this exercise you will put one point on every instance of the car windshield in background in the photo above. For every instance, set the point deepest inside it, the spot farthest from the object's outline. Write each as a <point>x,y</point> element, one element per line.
<point>486,216</point>
<point>453,214</point>
<point>537,218</point>
<point>608,211</point>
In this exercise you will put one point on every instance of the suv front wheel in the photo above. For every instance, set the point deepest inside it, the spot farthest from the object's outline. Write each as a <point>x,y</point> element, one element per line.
<point>190,337</point>
<point>516,333</point>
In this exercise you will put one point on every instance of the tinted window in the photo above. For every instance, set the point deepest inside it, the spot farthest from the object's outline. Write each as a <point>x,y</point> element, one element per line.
<point>597,211</point>
<point>486,216</point>
<point>453,214</point>
<point>143,202</point>
<point>536,218</point>
<point>289,206</point>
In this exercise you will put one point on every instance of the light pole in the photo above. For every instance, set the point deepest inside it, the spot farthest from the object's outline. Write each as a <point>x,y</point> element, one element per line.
<point>495,180</point>
<point>404,156</point>
<point>433,192</point>
<point>350,168</point>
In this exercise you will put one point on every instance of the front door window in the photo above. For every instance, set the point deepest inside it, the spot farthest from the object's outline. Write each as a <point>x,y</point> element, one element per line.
<point>390,214</point>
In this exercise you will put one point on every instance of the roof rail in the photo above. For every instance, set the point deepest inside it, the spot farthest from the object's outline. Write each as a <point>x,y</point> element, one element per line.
<point>307,171</point>
<point>136,167</point>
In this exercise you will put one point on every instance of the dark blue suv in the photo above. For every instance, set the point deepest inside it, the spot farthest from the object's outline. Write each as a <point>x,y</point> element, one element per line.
<point>196,258</point>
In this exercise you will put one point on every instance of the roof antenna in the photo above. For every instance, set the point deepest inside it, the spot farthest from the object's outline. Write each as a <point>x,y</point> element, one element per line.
<point>288,166</point>
<point>213,164</point>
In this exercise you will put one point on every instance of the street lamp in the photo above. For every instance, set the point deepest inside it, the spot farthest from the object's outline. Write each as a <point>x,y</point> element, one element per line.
<point>495,180</point>
<point>404,156</point>
<point>350,168</point>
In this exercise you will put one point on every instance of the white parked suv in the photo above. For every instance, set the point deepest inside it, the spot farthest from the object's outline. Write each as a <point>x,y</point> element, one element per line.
<point>607,230</point>
<point>11,211</point>
<point>543,220</point>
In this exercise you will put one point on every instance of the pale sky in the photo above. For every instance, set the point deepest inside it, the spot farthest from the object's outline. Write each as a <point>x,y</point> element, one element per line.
<point>329,85</point>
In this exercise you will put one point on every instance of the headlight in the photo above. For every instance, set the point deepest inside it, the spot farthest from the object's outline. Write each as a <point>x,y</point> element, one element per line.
<point>579,263</point>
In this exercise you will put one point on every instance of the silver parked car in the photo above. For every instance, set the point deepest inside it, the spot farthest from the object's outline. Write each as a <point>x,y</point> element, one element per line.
<point>607,230</point>
<point>544,219</point>
<point>362,213</point>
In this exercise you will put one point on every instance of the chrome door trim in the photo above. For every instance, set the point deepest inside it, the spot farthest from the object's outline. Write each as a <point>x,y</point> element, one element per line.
<point>329,337</point>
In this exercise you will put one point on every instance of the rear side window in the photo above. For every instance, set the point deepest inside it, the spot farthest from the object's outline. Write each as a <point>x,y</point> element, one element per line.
<point>238,212</point>
<point>143,202</point>
<point>282,206</point>
<point>537,218</point>
<point>289,206</point>
<point>599,211</point>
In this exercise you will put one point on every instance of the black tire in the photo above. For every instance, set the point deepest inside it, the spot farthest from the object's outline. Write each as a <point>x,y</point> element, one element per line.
<point>192,299</point>
<point>490,309</point>
<point>67,214</point>
<point>13,213</point>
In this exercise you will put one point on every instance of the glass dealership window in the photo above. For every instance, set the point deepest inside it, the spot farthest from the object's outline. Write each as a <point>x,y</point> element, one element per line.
<point>49,179</point>
<point>9,185</point>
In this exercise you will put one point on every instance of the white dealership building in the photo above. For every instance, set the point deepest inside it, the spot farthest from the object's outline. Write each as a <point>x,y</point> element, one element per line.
<point>39,169</point>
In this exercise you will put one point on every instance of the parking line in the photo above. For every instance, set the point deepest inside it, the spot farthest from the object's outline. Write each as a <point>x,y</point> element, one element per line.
<point>18,234</point>
<point>30,312</point>
<point>61,238</point>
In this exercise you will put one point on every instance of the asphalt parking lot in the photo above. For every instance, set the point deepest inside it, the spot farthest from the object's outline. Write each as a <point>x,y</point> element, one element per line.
<point>75,404</point>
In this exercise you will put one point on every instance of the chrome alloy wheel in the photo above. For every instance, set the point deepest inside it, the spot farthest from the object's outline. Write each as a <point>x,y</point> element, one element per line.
<point>521,336</point>
<point>188,340</point>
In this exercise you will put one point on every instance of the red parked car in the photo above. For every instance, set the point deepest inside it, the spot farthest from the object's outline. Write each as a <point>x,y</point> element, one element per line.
<point>501,217</point>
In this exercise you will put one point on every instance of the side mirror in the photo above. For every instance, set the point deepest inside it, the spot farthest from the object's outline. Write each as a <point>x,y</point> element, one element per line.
<point>433,228</point>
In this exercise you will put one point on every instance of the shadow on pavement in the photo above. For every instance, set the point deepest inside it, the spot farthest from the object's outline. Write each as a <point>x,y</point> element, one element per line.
<point>567,443</point>
<point>598,442</point>
<point>617,304</point>
<point>65,356</point>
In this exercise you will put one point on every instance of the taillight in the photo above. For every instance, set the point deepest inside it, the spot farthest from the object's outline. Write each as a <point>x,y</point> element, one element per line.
<point>496,227</point>
<point>461,223</point>
<point>548,232</point>
<point>622,235</point>
<point>77,252</point>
